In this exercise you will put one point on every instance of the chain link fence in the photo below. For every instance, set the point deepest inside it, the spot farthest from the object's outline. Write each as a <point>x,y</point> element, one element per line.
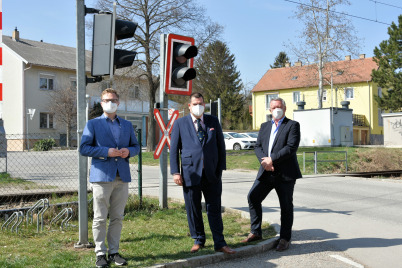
<point>39,166</point>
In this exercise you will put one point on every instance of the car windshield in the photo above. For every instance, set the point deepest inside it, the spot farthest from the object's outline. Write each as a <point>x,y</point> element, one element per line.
<point>253,135</point>
<point>237,135</point>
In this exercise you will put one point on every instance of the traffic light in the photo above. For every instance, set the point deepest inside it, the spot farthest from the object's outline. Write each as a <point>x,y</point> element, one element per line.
<point>105,57</point>
<point>180,55</point>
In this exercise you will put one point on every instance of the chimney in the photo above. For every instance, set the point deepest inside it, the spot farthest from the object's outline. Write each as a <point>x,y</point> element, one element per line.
<point>298,63</point>
<point>362,56</point>
<point>348,57</point>
<point>287,64</point>
<point>345,104</point>
<point>16,35</point>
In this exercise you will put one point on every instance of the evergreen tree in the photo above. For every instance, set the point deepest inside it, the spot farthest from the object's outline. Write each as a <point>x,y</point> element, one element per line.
<point>217,77</point>
<point>96,110</point>
<point>389,74</point>
<point>280,60</point>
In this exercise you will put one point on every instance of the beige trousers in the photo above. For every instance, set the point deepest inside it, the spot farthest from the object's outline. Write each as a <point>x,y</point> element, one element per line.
<point>108,198</point>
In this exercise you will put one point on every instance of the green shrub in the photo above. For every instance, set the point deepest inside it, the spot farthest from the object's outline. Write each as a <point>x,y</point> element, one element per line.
<point>44,145</point>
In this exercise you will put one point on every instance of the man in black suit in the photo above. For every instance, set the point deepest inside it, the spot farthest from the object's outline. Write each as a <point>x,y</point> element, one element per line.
<point>197,159</point>
<point>276,147</point>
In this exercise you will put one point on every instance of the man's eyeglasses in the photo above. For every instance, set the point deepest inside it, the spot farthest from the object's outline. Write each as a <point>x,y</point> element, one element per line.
<point>112,100</point>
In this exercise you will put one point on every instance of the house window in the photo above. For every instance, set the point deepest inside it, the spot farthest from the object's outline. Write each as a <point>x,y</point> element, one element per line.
<point>324,95</point>
<point>269,117</point>
<point>134,92</point>
<point>380,121</point>
<point>268,99</point>
<point>379,92</point>
<point>73,84</point>
<point>46,82</point>
<point>349,94</point>
<point>296,96</point>
<point>46,120</point>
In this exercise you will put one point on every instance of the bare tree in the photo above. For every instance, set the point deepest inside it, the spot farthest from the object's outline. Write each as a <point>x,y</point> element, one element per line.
<point>63,106</point>
<point>327,35</point>
<point>155,17</point>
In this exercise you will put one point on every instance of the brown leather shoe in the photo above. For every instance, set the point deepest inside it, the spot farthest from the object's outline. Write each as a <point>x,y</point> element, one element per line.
<point>226,250</point>
<point>196,248</point>
<point>251,237</point>
<point>282,245</point>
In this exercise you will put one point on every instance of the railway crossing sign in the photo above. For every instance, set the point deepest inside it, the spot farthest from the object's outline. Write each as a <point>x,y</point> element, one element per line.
<point>165,131</point>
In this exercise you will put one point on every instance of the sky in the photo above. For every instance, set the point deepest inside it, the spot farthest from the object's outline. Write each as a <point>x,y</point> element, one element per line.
<point>254,30</point>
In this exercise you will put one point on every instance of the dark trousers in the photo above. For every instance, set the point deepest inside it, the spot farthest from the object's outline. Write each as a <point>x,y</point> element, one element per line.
<point>259,192</point>
<point>212,195</point>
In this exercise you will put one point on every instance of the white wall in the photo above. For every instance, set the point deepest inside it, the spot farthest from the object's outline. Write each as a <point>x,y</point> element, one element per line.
<point>392,129</point>
<point>13,110</point>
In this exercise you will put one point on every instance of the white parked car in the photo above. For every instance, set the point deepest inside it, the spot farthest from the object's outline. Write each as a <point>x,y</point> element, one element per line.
<point>237,141</point>
<point>251,135</point>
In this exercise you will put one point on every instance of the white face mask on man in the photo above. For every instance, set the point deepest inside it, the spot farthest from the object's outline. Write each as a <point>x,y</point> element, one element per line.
<point>277,113</point>
<point>109,107</point>
<point>197,110</point>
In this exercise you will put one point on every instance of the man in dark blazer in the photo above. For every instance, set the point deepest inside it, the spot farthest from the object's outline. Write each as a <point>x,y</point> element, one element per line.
<point>276,147</point>
<point>197,159</point>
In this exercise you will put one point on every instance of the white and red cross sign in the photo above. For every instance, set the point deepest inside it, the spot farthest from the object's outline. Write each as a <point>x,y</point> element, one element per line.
<point>165,131</point>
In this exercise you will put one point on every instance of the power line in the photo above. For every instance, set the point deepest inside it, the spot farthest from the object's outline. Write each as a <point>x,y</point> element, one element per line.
<point>342,13</point>
<point>385,4</point>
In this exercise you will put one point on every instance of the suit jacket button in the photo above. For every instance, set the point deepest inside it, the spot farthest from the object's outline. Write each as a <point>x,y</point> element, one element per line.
<point>115,160</point>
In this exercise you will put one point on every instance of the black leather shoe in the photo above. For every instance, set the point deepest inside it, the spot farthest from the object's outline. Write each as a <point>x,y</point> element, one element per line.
<point>282,245</point>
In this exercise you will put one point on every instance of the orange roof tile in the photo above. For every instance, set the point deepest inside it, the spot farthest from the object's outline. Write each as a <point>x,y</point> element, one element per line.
<point>343,72</point>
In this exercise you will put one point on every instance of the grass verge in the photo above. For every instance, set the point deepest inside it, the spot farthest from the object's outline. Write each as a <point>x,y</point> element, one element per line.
<point>150,236</point>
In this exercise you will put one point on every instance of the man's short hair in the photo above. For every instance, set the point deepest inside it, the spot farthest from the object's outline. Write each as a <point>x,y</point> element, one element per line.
<point>196,95</point>
<point>109,90</point>
<point>278,99</point>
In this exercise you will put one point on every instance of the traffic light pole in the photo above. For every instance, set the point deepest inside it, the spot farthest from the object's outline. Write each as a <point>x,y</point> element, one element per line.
<point>81,118</point>
<point>163,99</point>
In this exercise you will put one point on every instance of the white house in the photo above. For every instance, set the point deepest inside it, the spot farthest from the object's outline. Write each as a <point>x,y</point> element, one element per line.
<point>31,69</point>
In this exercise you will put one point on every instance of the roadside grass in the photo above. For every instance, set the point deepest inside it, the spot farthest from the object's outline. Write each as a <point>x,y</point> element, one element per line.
<point>359,159</point>
<point>150,236</point>
<point>6,181</point>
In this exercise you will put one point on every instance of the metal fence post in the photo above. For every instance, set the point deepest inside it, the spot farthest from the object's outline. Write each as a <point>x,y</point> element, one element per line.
<point>346,163</point>
<point>140,166</point>
<point>304,161</point>
<point>315,162</point>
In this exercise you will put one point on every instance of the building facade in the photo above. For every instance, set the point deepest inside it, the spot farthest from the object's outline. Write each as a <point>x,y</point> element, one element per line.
<point>348,80</point>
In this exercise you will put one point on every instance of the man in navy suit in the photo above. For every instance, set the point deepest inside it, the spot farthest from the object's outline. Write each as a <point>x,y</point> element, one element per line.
<point>276,147</point>
<point>197,159</point>
<point>110,141</point>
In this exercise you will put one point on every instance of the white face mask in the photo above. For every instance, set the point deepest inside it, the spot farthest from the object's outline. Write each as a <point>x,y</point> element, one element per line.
<point>109,107</point>
<point>197,110</point>
<point>277,113</point>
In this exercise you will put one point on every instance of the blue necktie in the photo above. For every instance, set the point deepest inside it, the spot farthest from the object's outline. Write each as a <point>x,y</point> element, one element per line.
<point>200,131</point>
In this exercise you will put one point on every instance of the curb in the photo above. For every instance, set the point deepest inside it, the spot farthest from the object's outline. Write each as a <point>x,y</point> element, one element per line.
<point>241,252</point>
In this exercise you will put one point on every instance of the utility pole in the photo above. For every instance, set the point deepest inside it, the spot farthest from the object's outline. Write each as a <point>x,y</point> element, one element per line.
<point>81,116</point>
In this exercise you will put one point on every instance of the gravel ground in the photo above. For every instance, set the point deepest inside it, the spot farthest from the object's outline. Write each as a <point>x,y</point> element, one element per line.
<point>303,252</point>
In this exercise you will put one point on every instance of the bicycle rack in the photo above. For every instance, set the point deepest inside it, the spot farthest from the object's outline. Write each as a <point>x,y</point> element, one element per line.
<point>68,212</point>
<point>18,216</point>
<point>43,205</point>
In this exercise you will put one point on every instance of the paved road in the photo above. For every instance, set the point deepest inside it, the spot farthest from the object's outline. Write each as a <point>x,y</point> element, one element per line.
<point>339,221</point>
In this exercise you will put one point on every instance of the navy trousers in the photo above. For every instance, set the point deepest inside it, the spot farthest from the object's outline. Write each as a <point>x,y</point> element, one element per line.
<point>261,188</point>
<point>212,195</point>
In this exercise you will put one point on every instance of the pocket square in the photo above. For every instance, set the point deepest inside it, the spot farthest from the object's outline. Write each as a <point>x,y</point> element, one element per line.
<point>211,129</point>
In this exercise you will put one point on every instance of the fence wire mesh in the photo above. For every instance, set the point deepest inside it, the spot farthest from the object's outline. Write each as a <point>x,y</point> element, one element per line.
<point>28,174</point>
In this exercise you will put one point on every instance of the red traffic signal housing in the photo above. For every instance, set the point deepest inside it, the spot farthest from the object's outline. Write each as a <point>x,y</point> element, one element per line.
<point>179,71</point>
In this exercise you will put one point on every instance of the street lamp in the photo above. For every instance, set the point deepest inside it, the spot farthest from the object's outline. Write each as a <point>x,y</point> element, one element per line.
<point>31,113</point>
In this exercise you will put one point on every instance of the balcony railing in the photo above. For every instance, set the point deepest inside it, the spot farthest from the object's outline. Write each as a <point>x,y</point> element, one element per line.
<point>360,120</point>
